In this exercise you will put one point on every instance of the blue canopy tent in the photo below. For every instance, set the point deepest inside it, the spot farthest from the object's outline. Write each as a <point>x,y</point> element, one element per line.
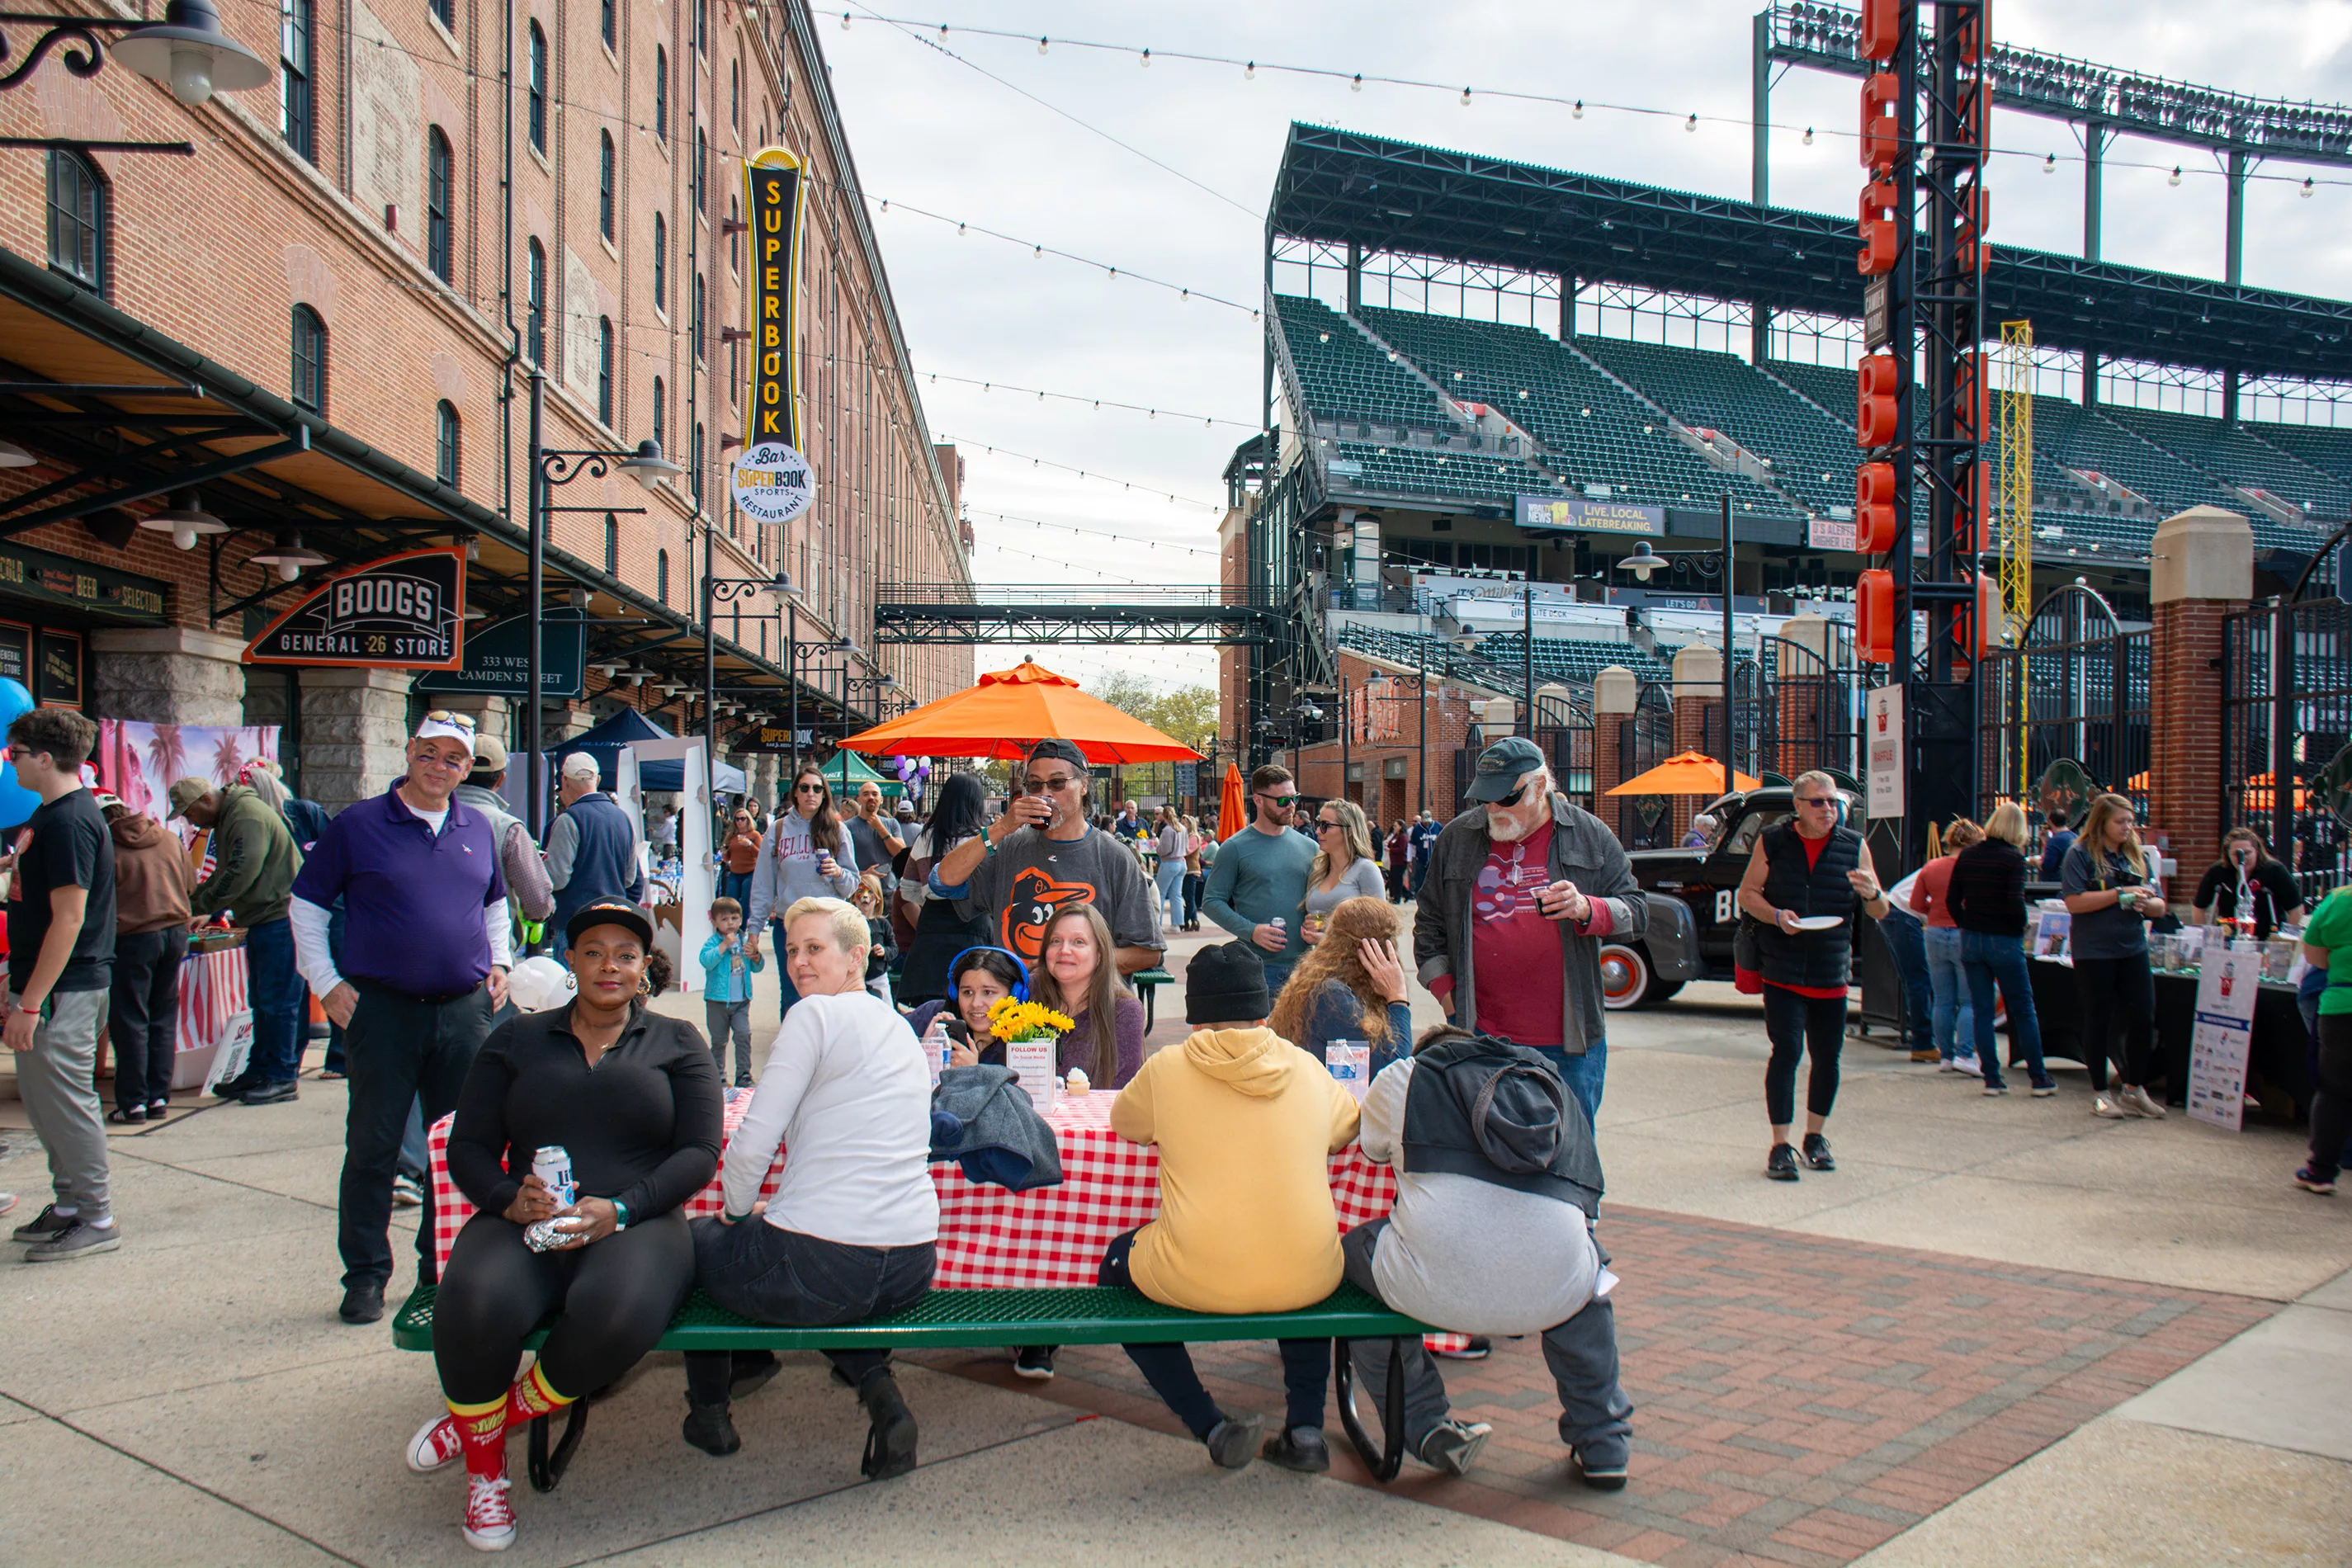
<point>604,741</point>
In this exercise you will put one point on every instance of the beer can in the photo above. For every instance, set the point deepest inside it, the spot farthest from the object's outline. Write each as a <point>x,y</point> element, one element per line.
<point>553,1164</point>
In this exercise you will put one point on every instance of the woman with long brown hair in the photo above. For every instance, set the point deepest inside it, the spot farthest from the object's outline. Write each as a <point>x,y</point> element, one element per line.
<point>1349,987</point>
<point>2113,889</point>
<point>805,853</point>
<point>1077,974</point>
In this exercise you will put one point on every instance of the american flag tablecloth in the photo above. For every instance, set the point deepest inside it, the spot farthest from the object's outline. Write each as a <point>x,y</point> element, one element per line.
<point>212,992</point>
<point>991,1238</point>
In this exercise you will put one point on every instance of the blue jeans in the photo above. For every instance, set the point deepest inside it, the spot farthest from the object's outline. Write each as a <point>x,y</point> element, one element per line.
<point>735,885</point>
<point>1955,1018</point>
<point>1168,883</point>
<point>1989,958</point>
<point>279,999</point>
<point>1905,938</point>
<point>1585,1076</point>
<point>790,993</point>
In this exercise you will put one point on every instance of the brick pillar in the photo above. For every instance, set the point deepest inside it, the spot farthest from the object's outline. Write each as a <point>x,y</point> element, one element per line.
<point>1698,702</point>
<point>2203,570</point>
<point>1801,677</point>
<point>1615,694</point>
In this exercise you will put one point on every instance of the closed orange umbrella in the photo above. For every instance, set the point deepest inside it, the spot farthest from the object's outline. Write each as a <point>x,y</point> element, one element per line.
<point>1010,710</point>
<point>1692,772</point>
<point>1232,807</point>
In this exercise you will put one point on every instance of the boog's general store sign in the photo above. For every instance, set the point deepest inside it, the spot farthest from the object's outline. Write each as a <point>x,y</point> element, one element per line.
<point>403,611</point>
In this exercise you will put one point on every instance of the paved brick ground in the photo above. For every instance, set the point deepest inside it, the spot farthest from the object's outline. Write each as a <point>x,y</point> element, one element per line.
<point>1799,1400</point>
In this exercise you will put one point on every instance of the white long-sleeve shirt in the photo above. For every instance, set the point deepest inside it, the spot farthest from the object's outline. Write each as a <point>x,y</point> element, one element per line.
<point>847,1098</point>
<point>316,960</point>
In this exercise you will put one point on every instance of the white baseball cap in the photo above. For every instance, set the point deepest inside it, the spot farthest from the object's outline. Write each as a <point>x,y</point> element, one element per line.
<point>581,765</point>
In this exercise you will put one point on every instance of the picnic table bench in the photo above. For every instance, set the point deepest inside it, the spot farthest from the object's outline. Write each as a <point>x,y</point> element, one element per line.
<point>1146,982</point>
<point>1069,1315</point>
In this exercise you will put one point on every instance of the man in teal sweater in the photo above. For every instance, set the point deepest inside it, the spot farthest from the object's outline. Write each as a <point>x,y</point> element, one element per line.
<point>1260,877</point>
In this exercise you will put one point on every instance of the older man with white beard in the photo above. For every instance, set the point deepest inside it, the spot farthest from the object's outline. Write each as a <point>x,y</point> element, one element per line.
<point>1521,889</point>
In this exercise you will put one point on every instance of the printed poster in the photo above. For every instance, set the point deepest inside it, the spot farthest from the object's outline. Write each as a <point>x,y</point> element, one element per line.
<point>2222,1040</point>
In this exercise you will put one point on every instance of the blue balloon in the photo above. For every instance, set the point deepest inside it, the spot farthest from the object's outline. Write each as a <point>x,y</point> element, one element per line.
<point>17,803</point>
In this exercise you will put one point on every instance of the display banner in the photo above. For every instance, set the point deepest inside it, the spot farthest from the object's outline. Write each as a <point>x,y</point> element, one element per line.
<point>1883,749</point>
<point>772,202</point>
<point>402,612</point>
<point>2222,1039</point>
<point>498,658</point>
<point>1575,514</point>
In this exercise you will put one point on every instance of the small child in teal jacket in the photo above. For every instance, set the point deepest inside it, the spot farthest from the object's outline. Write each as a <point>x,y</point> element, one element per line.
<point>727,971</point>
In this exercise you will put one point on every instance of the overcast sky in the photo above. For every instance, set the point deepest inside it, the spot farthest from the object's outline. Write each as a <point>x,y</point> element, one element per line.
<point>932,131</point>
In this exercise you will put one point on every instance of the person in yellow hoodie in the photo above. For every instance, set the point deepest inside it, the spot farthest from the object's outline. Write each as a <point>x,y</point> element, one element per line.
<point>1245,1123</point>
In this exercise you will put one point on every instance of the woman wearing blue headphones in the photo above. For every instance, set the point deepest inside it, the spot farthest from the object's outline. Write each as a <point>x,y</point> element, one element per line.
<point>978,978</point>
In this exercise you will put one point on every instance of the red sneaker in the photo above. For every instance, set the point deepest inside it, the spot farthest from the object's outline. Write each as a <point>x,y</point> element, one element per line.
<point>436,1444</point>
<point>490,1519</point>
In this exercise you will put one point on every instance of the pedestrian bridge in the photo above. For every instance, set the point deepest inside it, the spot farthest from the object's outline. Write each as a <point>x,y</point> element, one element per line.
<point>1207,614</point>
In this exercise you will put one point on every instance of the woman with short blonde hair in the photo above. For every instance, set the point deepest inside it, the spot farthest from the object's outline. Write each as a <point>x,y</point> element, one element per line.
<point>2111,887</point>
<point>1987,898</point>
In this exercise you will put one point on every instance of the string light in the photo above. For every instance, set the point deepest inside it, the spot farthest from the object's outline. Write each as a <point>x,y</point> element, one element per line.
<point>1128,485</point>
<point>1038,252</point>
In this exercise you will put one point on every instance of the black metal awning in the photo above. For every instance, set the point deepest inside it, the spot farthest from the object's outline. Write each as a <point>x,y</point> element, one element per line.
<point>1342,187</point>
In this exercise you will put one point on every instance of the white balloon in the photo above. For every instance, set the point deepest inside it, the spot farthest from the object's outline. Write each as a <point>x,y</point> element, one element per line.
<point>538,984</point>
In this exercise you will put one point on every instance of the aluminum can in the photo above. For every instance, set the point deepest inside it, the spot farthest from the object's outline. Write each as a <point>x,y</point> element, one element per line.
<point>553,1164</point>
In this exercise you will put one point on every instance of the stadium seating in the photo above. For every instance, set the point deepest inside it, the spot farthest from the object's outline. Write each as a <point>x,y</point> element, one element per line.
<point>1343,376</point>
<point>1598,435</point>
<point>2234,454</point>
<point>2322,446</point>
<point>1481,477</point>
<point>1811,456</point>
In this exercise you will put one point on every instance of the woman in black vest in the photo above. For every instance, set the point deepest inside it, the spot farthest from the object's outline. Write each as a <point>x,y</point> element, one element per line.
<point>1804,883</point>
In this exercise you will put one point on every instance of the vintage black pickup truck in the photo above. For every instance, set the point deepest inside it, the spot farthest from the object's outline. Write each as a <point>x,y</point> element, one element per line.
<point>1692,910</point>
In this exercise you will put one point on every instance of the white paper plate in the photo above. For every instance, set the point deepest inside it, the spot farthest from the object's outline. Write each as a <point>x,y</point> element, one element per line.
<point>1819,922</point>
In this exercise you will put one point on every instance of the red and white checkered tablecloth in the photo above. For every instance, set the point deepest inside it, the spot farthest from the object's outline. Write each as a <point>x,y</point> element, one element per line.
<point>991,1238</point>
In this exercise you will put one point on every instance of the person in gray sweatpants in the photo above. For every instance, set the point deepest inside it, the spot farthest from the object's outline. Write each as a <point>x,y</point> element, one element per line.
<point>60,966</point>
<point>1492,1232</point>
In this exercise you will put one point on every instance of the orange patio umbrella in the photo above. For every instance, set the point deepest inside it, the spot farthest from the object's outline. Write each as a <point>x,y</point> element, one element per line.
<point>1232,807</point>
<point>1691,773</point>
<point>1010,710</point>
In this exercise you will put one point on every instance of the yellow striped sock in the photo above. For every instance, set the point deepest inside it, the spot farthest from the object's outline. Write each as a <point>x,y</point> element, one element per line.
<point>479,1420</point>
<point>538,1394</point>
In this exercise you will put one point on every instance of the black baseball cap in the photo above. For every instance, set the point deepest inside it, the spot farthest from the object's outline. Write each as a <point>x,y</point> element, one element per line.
<point>1059,751</point>
<point>610,912</point>
<point>1501,766</point>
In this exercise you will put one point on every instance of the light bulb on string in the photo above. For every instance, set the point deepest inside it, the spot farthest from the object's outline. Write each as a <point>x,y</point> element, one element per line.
<point>1041,46</point>
<point>1466,98</point>
<point>1146,61</point>
<point>1356,85</point>
<point>844,21</point>
<point>2174,178</point>
<point>1691,124</point>
<point>2306,187</point>
<point>1808,135</point>
<point>1249,72</point>
<point>1578,113</point>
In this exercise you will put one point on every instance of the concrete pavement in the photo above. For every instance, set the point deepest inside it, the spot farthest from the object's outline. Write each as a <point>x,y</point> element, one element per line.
<point>193,1399</point>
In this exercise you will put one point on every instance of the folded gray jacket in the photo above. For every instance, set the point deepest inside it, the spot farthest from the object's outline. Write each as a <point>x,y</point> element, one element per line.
<point>982,1119</point>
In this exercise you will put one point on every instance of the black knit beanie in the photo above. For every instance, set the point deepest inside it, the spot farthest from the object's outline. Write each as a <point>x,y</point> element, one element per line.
<point>1226,985</point>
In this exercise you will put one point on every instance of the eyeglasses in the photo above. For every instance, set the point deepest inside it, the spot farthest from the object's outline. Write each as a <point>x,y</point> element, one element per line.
<point>1817,800</point>
<point>444,716</point>
<point>1052,785</point>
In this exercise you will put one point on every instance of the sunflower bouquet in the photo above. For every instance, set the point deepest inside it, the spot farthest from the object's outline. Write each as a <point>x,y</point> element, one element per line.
<point>1011,1021</point>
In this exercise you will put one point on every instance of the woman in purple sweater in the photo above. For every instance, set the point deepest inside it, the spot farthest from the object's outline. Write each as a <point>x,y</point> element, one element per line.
<point>1078,976</point>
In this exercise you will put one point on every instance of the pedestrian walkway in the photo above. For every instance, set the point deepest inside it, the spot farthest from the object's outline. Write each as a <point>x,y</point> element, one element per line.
<point>2003,1331</point>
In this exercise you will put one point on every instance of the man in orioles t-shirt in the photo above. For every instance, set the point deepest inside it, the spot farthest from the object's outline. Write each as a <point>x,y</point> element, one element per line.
<point>1041,854</point>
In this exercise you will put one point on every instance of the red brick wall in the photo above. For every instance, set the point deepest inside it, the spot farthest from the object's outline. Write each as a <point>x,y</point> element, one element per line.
<point>216,251</point>
<point>1450,717</point>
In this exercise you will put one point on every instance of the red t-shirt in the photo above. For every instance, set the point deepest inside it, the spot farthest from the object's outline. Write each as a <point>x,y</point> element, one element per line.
<point>1813,847</point>
<point>1514,953</point>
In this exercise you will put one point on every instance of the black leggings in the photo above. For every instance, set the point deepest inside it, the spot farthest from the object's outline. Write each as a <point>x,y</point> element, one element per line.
<point>2112,991</point>
<point>1795,1024</point>
<point>612,1301</point>
<point>2331,1107</point>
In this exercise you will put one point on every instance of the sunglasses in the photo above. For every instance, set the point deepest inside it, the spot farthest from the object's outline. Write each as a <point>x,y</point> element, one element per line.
<point>1279,799</point>
<point>444,716</point>
<point>1325,824</point>
<point>808,789</point>
<point>1513,798</point>
<point>1053,785</point>
<point>1817,800</point>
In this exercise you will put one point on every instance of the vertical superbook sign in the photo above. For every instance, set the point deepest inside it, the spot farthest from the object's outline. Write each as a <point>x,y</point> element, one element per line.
<point>773,197</point>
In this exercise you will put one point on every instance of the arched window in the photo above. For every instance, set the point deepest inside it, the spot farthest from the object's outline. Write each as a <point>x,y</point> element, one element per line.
<point>605,370</point>
<point>308,378</point>
<point>297,117</point>
<point>538,87</point>
<point>661,574</point>
<point>534,337</point>
<point>445,443</point>
<point>604,178</point>
<point>612,22</point>
<point>440,253</point>
<point>661,416</point>
<point>661,92</point>
<point>661,264</point>
<point>612,546</point>
<point>77,219</point>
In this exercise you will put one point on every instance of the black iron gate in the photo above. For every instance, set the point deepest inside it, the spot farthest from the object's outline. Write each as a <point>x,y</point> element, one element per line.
<point>1645,739</point>
<point>2304,651</point>
<point>1800,708</point>
<point>2077,687</point>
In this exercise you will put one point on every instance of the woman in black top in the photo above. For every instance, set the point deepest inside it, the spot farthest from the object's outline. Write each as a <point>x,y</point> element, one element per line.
<point>633,1098</point>
<point>1987,902</point>
<point>941,932</point>
<point>2272,898</point>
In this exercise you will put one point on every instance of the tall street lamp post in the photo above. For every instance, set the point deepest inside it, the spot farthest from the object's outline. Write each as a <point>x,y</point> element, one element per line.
<point>1645,561</point>
<point>716,591</point>
<point>551,467</point>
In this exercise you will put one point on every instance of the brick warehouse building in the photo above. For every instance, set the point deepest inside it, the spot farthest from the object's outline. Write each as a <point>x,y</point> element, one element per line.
<point>355,272</point>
